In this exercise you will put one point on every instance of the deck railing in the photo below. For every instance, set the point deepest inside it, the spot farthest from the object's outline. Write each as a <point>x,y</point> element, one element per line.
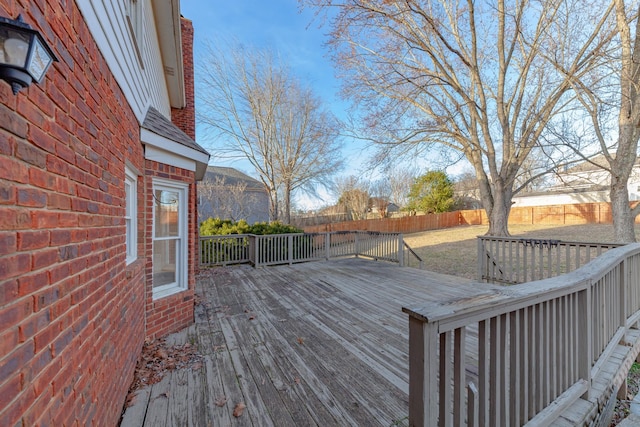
<point>411,258</point>
<point>273,249</point>
<point>511,260</point>
<point>537,343</point>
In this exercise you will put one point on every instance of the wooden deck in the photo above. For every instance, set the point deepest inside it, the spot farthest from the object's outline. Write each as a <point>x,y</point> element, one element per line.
<point>322,343</point>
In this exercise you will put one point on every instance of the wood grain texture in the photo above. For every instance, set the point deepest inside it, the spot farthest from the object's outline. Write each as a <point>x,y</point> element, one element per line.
<point>314,344</point>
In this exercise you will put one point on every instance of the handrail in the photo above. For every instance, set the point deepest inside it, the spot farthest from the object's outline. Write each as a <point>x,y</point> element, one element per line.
<point>511,260</point>
<point>539,342</point>
<point>415,255</point>
<point>273,249</point>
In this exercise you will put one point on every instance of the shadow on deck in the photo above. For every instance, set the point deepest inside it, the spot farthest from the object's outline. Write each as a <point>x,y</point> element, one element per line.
<point>323,343</point>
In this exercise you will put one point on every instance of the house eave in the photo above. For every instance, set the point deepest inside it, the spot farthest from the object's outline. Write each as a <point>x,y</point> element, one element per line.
<point>167,18</point>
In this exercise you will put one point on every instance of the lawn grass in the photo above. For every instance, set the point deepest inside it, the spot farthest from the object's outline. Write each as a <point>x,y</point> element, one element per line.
<point>454,250</point>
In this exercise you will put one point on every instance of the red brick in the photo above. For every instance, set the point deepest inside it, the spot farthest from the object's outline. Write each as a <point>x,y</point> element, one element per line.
<point>63,151</point>
<point>63,136</point>
<point>46,336</point>
<point>7,195</point>
<point>42,383</point>
<point>13,170</point>
<point>8,341</point>
<point>15,265</point>
<point>33,324</point>
<point>59,272</point>
<point>30,112</point>
<point>13,362</point>
<point>42,139</point>
<point>30,283</point>
<point>44,219</point>
<point>67,219</point>
<point>42,179</point>
<point>13,414</point>
<point>59,201</point>
<point>30,240</point>
<point>11,122</point>
<point>10,390</point>
<point>56,165</point>
<point>31,154</point>
<point>31,197</point>
<point>44,258</point>
<point>8,243</point>
<point>8,291</point>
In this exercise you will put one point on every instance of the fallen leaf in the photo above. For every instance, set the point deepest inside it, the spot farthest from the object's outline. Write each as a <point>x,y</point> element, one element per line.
<point>300,340</point>
<point>252,317</point>
<point>221,401</point>
<point>297,380</point>
<point>239,409</point>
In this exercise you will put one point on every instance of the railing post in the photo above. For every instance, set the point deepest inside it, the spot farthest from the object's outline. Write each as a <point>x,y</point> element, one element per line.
<point>400,250</point>
<point>423,380</point>
<point>585,337</point>
<point>357,244</point>
<point>290,248</point>
<point>622,309</point>
<point>327,244</point>
<point>481,258</point>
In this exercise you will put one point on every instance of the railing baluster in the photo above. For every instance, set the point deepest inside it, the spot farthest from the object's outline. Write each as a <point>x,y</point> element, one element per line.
<point>459,376</point>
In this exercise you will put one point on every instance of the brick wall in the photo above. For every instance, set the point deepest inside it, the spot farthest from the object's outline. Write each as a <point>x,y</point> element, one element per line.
<point>185,118</point>
<point>174,312</point>
<point>72,314</point>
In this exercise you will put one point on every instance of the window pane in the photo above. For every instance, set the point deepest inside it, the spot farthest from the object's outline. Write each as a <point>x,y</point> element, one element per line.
<point>127,199</point>
<point>166,221</point>
<point>164,262</point>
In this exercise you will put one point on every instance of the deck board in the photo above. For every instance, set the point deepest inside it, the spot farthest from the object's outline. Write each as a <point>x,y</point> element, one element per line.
<point>322,343</point>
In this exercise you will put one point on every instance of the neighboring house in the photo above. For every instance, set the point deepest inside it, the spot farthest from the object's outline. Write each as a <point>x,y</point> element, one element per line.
<point>586,182</point>
<point>381,208</point>
<point>98,224</point>
<point>227,193</point>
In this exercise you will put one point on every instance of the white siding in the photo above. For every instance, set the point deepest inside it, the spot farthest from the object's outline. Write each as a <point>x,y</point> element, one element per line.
<point>142,86</point>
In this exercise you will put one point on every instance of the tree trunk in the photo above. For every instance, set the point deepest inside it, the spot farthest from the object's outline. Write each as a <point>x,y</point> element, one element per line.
<point>274,209</point>
<point>287,205</point>
<point>499,214</point>
<point>623,220</point>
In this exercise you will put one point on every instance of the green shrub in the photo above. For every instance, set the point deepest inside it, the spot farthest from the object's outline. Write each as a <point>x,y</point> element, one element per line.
<point>228,249</point>
<point>218,227</point>
<point>221,227</point>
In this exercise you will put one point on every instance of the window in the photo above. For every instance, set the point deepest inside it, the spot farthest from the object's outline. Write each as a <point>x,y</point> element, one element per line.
<point>170,256</point>
<point>131,214</point>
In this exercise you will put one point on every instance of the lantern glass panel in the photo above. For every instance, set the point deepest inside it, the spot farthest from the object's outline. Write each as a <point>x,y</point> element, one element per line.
<point>39,61</point>
<point>15,46</point>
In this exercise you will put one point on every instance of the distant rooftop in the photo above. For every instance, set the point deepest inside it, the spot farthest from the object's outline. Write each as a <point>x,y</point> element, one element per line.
<point>233,176</point>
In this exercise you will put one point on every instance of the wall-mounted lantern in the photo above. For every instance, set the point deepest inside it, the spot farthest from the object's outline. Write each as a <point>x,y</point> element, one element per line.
<point>24,54</point>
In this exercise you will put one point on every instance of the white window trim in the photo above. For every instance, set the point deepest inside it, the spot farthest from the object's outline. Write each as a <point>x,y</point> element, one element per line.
<point>131,201</point>
<point>182,261</point>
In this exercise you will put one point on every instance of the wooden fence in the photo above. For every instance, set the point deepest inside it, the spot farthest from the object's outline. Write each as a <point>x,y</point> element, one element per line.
<point>300,247</point>
<point>585,213</point>
<point>541,347</point>
<point>510,260</point>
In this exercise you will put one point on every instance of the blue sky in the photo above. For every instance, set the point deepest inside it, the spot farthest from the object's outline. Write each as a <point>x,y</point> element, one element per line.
<point>279,25</point>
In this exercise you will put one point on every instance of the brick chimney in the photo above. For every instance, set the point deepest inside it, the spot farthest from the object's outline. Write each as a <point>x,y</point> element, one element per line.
<point>185,118</point>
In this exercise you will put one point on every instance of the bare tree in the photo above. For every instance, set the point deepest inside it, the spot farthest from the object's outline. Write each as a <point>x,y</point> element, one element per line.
<point>258,111</point>
<point>475,77</point>
<point>227,201</point>
<point>613,91</point>
<point>353,196</point>
<point>400,180</point>
<point>380,197</point>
